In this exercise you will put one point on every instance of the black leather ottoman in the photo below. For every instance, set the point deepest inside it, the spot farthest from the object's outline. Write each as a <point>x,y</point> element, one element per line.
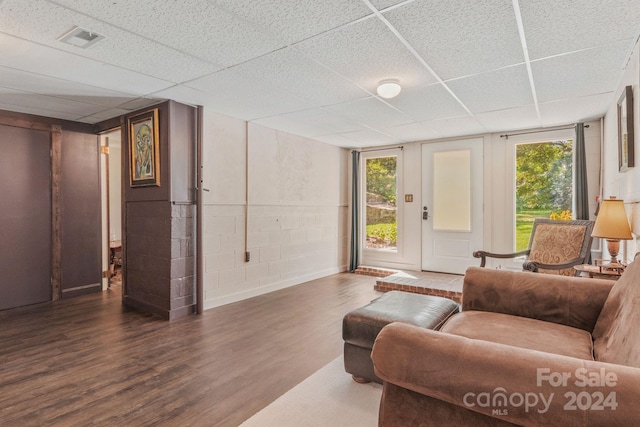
<point>361,327</point>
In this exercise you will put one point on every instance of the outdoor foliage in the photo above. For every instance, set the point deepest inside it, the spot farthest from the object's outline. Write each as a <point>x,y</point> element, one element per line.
<point>381,178</point>
<point>544,176</point>
<point>384,232</point>
<point>565,215</point>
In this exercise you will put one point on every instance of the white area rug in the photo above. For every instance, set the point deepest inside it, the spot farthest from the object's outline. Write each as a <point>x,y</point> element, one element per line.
<point>328,398</point>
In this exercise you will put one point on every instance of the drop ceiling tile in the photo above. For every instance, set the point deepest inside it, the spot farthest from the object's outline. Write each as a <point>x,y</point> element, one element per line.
<point>311,123</point>
<point>371,112</point>
<point>427,103</point>
<point>494,90</point>
<point>576,110</point>
<point>184,95</point>
<point>455,126</point>
<point>139,103</point>
<point>412,132</point>
<point>553,27</point>
<point>236,95</point>
<point>205,31</point>
<point>295,21</point>
<point>104,115</point>
<point>27,56</point>
<point>369,138</point>
<point>44,23</point>
<point>290,71</point>
<point>367,52</point>
<point>47,103</point>
<point>383,4</point>
<point>509,119</point>
<point>39,84</point>
<point>583,73</point>
<point>335,139</point>
<point>38,111</point>
<point>458,40</point>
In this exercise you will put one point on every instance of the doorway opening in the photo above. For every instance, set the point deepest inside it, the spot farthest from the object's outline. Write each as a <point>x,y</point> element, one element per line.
<point>111,172</point>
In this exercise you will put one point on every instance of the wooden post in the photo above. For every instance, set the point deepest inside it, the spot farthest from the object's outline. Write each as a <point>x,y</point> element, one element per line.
<point>56,219</point>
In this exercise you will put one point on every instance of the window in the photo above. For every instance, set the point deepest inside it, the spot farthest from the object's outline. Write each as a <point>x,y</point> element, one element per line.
<point>544,185</point>
<point>381,196</point>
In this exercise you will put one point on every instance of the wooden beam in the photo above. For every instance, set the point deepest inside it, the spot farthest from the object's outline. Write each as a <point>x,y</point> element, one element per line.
<point>56,219</point>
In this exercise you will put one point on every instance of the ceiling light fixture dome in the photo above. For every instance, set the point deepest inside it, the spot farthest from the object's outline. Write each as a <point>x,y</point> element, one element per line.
<point>389,88</point>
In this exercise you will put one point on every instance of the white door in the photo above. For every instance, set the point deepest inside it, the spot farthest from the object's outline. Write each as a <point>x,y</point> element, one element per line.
<point>452,202</point>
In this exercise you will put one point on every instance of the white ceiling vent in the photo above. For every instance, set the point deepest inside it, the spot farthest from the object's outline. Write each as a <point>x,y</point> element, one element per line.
<point>81,38</point>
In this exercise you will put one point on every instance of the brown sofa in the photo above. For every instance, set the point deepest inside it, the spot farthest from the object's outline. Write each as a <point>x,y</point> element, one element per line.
<point>526,349</point>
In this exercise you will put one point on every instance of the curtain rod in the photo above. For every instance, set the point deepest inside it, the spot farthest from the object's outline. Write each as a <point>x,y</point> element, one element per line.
<point>507,135</point>
<point>380,149</point>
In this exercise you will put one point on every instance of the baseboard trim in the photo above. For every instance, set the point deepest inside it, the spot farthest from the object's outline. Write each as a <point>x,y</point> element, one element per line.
<point>81,290</point>
<point>254,292</point>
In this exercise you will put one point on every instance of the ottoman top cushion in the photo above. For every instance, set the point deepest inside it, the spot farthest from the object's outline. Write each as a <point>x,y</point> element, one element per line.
<point>361,326</point>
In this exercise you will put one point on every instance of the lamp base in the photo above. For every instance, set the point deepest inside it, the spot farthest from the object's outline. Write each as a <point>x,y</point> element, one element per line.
<point>613,246</point>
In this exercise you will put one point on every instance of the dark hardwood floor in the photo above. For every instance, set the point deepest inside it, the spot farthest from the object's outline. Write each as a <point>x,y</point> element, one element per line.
<point>89,361</point>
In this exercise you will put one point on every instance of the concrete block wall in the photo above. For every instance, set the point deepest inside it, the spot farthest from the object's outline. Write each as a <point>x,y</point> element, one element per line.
<point>297,211</point>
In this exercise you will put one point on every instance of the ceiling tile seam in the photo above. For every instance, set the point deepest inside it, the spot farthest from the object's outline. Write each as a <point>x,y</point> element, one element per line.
<point>611,92</point>
<point>586,49</point>
<point>324,108</point>
<point>136,34</point>
<point>231,67</point>
<point>334,29</point>
<point>371,94</point>
<point>506,67</point>
<point>419,57</point>
<point>84,58</point>
<point>39,108</point>
<point>115,92</point>
<point>48,95</point>
<point>285,44</point>
<point>395,6</point>
<point>525,51</point>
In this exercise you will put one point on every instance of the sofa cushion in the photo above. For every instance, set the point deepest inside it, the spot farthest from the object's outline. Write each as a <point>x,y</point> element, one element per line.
<point>521,332</point>
<point>617,331</point>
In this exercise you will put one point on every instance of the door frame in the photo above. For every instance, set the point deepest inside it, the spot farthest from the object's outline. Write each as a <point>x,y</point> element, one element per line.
<point>375,256</point>
<point>477,229</point>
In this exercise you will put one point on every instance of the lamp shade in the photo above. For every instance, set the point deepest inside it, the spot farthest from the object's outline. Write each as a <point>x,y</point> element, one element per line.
<point>612,222</point>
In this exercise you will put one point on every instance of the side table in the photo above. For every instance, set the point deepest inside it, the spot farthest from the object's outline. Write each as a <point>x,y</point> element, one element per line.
<point>599,272</point>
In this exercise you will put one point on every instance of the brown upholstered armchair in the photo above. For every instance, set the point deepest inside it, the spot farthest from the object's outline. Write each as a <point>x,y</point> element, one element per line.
<point>555,247</point>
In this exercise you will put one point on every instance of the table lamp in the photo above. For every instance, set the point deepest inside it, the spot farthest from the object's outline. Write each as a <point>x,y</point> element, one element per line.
<point>612,225</point>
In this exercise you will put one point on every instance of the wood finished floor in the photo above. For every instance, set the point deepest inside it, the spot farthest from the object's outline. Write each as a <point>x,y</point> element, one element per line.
<point>88,361</point>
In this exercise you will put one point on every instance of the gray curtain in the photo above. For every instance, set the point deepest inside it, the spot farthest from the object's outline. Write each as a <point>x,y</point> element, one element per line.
<point>354,256</point>
<point>580,174</point>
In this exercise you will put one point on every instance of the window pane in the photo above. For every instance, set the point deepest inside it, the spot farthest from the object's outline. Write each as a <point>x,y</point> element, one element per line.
<point>544,185</point>
<point>452,190</point>
<point>381,185</point>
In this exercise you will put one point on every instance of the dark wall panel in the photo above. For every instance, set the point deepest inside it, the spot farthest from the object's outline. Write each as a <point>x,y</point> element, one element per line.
<point>81,214</point>
<point>25,217</point>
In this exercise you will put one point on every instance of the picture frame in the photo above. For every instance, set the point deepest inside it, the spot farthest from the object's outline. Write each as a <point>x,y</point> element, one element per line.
<point>626,149</point>
<point>144,151</point>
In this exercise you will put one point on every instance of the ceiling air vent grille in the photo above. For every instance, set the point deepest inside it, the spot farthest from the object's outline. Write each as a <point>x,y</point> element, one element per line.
<point>80,37</point>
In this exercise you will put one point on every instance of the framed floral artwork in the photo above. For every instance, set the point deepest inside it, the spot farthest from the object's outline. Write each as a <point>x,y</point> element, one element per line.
<point>144,142</point>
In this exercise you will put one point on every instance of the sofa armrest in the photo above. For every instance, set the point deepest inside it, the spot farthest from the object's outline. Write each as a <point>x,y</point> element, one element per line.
<point>517,385</point>
<point>571,301</point>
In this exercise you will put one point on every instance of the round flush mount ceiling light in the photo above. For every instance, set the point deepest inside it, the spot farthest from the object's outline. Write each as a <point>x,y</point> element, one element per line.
<point>389,88</point>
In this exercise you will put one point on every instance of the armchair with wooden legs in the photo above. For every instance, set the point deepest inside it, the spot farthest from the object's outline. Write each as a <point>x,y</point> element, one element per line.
<point>555,247</point>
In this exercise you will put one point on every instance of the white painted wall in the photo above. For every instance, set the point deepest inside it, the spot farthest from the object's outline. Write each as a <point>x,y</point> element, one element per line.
<point>624,185</point>
<point>297,210</point>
